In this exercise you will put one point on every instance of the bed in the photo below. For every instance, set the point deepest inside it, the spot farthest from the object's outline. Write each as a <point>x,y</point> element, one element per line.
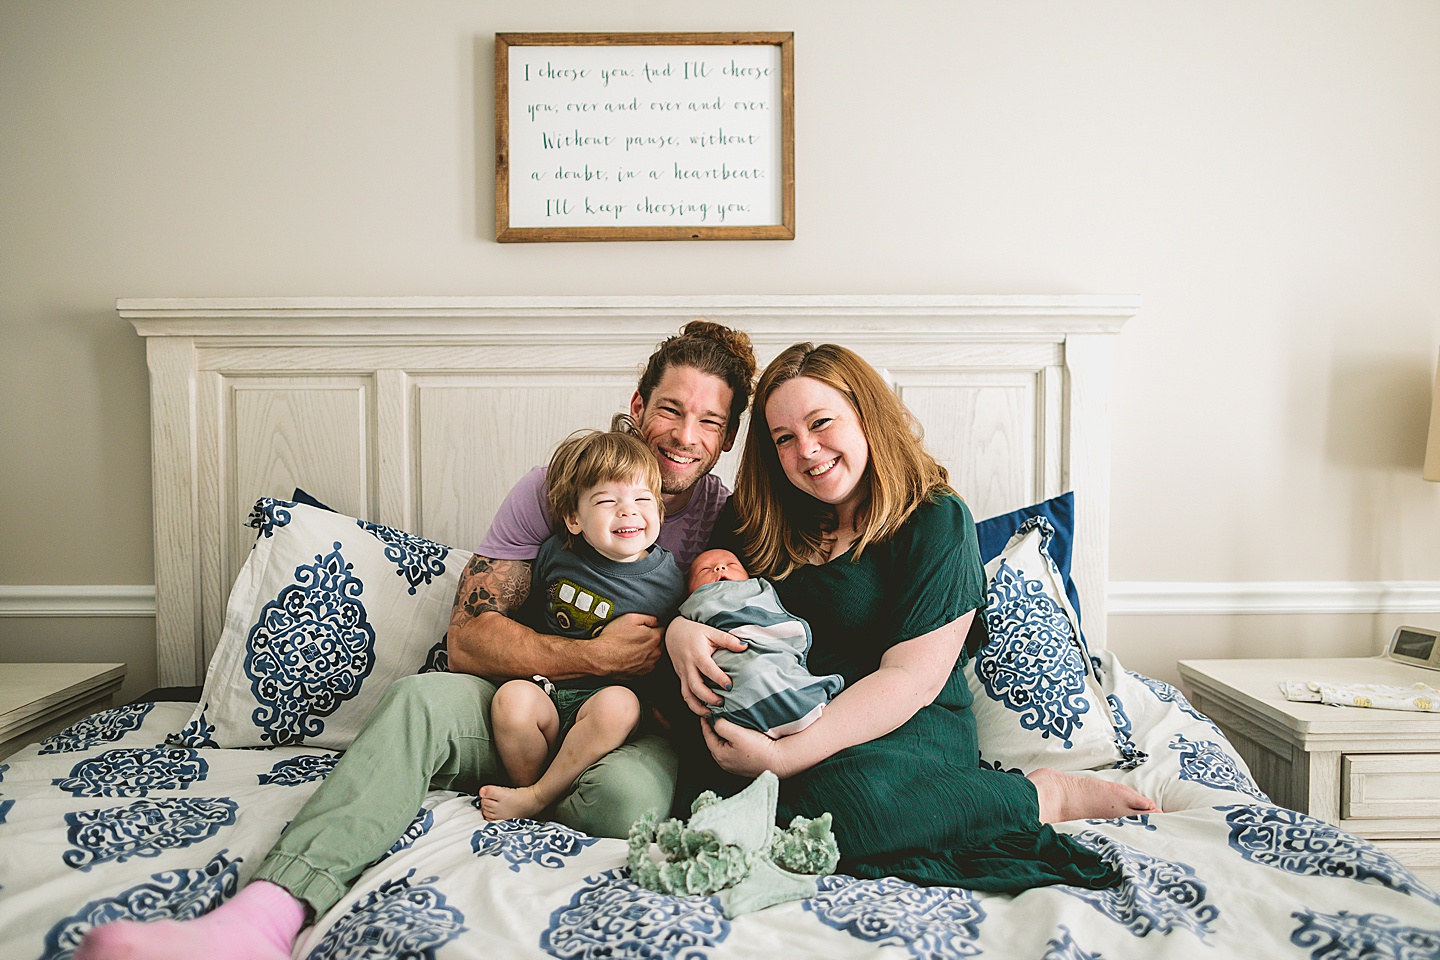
<point>408,419</point>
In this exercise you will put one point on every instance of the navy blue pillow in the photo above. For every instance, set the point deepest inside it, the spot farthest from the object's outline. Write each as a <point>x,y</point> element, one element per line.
<point>300,496</point>
<point>1060,511</point>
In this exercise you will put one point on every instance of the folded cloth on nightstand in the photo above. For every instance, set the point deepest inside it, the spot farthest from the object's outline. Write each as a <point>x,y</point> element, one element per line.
<point>1379,696</point>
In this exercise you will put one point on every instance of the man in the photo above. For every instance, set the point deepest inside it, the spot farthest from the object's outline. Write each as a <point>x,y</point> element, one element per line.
<point>432,731</point>
<point>687,408</point>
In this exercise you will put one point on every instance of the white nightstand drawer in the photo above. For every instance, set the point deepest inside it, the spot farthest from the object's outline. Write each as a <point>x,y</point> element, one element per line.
<point>1390,786</point>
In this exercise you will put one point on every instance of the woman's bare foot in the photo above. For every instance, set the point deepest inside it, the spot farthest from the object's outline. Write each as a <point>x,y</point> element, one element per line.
<point>1066,796</point>
<point>508,803</point>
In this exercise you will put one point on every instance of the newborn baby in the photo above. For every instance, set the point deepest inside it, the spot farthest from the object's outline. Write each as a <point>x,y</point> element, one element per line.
<point>772,690</point>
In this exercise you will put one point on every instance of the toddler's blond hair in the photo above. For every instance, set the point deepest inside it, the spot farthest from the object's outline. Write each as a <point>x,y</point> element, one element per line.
<point>588,458</point>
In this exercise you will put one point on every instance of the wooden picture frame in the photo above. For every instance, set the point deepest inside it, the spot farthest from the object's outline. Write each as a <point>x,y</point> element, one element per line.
<point>644,136</point>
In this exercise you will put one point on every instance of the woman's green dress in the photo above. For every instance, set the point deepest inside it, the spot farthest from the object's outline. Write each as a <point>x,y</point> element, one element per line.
<point>916,803</point>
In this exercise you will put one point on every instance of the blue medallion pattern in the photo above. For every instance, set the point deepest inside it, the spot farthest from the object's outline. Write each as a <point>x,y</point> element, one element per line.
<point>1206,763</point>
<point>172,895</point>
<point>1137,820</point>
<point>302,769</point>
<point>420,826</point>
<point>417,560</point>
<point>268,514</point>
<point>5,806</point>
<point>310,651</point>
<point>1368,936</point>
<point>197,733</point>
<point>610,917</point>
<point>134,772</point>
<point>925,921</point>
<point>528,841</point>
<point>1032,665</point>
<point>1302,845</point>
<point>146,828</point>
<point>437,660</point>
<point>996,766</point>
<point>1131,756</point>
<point>1154,895</point>
<point>107,726</point>
<point>396,921</point>
<point>1064,947</point>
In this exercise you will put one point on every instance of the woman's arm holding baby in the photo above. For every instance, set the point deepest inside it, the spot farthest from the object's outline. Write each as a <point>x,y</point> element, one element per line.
<point>910,676</point>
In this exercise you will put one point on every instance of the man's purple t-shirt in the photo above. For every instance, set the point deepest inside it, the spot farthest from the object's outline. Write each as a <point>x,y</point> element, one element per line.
<point>523,521</point>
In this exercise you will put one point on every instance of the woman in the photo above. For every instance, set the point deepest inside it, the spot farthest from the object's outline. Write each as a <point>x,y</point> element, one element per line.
<point>838,502</point>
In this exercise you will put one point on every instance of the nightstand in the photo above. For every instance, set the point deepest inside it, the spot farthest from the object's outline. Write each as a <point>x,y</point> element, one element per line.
<point>1374,773</point>
<point>38,699</point>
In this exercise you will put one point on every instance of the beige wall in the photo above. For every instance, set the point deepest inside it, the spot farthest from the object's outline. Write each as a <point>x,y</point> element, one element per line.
<point>1264,175</point>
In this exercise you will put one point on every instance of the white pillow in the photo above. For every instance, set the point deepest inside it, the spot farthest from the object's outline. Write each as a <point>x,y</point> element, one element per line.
<point>1037,700</point>
<point>326,613</point>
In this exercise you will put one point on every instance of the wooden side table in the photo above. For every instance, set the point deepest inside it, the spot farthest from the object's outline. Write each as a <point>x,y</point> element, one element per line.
<point>38,699</point>
<point>1374,773</point>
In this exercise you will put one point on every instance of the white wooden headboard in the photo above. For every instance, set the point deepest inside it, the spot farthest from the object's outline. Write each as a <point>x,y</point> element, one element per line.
<point>420,412</point>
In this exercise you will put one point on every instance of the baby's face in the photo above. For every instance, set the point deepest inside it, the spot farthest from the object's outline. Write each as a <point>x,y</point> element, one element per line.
<point>715,565</point>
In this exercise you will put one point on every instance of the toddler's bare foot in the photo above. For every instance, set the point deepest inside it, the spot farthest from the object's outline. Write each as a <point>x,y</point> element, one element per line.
<point>507,803</point>
<point>1066,796</point>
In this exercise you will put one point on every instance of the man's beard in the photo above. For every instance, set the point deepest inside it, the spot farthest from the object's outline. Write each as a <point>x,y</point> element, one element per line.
<point>671,485</point>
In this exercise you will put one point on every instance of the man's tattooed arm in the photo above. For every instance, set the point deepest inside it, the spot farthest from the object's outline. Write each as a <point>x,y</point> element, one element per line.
<point>498,585</point>
<point>486,640</point>
<point>486,586</point>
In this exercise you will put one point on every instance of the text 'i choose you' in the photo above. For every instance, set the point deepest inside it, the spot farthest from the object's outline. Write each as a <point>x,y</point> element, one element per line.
<point>644,136</point>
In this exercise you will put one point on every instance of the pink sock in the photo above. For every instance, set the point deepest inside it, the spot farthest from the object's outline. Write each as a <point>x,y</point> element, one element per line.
<point>260,922</point>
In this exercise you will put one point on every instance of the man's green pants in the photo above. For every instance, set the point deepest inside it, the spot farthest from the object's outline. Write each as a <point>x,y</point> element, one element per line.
<point>432,732</point>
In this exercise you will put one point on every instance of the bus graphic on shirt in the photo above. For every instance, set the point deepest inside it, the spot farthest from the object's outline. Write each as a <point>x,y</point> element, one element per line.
<point>578,610</point>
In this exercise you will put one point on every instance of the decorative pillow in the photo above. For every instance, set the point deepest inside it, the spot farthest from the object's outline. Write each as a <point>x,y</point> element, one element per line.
<point>326,613</point>
<point>996,532</point>
<point>1037,700</point>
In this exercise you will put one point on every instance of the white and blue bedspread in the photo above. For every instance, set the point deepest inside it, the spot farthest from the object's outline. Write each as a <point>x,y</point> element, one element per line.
<point>104,821</point>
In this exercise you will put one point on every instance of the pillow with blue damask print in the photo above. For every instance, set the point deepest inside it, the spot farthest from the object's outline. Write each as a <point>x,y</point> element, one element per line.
<point>1038,702</point>
<point>995,532</point>
<point>326,613</point>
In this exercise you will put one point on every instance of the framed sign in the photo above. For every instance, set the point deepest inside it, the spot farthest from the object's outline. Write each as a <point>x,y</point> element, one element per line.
<point>644,136</point>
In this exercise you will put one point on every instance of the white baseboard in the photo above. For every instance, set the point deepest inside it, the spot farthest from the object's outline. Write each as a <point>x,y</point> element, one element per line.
<point>1125,598</point>
<point>1156,599</point>
<point>81,600</point>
